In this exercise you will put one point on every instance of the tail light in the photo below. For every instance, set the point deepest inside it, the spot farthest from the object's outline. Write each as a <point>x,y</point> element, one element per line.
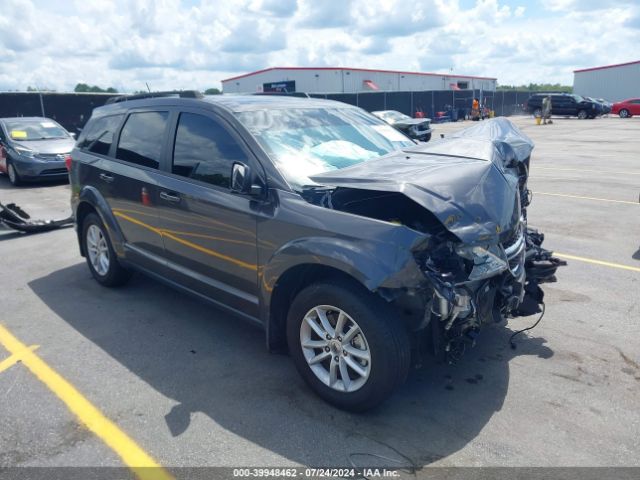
<point>67,162</point>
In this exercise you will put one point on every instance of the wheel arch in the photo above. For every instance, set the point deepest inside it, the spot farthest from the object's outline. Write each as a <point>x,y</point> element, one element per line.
<point>90,200</point>
<point>289,284</point>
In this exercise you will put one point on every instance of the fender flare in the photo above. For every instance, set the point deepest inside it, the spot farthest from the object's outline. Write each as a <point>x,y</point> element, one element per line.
<point>92,196</point>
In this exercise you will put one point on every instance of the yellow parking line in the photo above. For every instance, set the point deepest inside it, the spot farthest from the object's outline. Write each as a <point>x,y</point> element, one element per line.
<point>131,454</point>
<point>15,358</point>
<point>586,198</point>
<point>597,262</point>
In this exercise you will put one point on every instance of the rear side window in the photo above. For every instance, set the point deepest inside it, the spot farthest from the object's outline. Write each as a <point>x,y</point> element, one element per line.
<point>100,132</point>
<point>204,150</point>
<point>141,138</point>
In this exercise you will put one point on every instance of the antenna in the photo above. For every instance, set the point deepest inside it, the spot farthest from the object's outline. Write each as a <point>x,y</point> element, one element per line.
<point>147,86</point>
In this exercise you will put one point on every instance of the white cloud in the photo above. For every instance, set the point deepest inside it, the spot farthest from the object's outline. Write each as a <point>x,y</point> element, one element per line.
<point>177,44</point>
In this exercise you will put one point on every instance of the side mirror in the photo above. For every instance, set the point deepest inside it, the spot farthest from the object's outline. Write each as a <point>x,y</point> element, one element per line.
<point>242,182</point>
<point>240,178</point>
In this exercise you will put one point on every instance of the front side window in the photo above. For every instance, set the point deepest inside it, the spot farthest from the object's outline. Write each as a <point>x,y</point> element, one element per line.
<point>99,135</point>
<point>204,150</point>
<point>306,141</point>
<point>141,138</point>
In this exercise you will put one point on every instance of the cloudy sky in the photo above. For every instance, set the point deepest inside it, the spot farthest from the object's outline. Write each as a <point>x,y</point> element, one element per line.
<point>189,44</point>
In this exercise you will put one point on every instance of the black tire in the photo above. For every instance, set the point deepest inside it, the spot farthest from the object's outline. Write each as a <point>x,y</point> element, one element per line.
<point>624,113</point>
<point>116,275</point>
<point>385,336</point>
<point>12,173</point>
<point>582,114</point>
<point>426,138</point>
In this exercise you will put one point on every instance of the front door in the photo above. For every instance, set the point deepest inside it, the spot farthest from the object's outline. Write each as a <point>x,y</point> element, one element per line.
<point>209,233</point>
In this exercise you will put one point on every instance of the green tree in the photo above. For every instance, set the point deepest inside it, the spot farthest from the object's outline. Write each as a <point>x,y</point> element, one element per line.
<point>212,91</point>
<point>83,87</point>
<point>538,87</point>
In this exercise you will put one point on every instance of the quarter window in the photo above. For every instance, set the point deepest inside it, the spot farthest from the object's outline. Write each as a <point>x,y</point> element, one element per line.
<point>141,138</point>
<point>204,150</point>
<point>100,133</point>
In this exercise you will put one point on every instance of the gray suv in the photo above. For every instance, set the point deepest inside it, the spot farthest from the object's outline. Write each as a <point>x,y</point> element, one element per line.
<point>356,249</point>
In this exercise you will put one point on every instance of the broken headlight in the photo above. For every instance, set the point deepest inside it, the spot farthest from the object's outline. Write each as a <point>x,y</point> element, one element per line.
<point>487,261</point>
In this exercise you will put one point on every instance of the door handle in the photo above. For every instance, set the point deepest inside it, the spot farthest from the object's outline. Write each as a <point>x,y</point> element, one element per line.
<point>170,197</point>
<point>106,178</point>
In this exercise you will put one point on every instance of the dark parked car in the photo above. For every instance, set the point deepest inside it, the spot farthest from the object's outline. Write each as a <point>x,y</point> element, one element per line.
<point>356,249</point>
<point>418,128</point>
<point>564,104</point>
<point>33,148</point>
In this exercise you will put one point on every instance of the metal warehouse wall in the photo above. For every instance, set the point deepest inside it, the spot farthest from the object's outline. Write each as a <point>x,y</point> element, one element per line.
<point>430,102</point>
<point>71,110</point>
<point>352,81</point>
<point>613,84</point>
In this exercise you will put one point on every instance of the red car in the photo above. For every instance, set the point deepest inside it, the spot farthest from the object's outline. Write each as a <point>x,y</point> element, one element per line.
<point>627,108</point>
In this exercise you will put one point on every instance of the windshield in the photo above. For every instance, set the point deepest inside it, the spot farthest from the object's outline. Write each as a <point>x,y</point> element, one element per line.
<point>393,116</point>
<point>41,129</point>
<point>307,141</point>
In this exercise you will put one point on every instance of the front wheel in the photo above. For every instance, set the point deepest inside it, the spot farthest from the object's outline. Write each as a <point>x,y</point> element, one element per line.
<point>14,176</point>
<point>582,114</point>
<point>348,344</point>
<point>624,113</point>
<point>101,257</point>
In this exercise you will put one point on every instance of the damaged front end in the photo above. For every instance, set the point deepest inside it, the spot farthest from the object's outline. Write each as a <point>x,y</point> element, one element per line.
<point>482,263</point>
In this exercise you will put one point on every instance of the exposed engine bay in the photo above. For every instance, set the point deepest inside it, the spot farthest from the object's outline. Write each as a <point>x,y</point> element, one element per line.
<point>468,195</point>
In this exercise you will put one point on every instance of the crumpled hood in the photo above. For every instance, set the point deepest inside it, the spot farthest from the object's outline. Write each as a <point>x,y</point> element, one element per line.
<point>472,197</point>
<point>500,130</point>
<point>55,145</point>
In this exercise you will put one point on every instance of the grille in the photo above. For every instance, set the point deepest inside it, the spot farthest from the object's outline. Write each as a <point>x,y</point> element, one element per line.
<point>515,250</point>
<point>54,171</point>
<point>51,156</point>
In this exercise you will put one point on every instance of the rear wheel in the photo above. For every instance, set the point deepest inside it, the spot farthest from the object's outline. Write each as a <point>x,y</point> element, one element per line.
<point>101,258</point>
<point>347,344</point>
<point>582,114</point>
<point>12,173</point>
<point>624,113</point>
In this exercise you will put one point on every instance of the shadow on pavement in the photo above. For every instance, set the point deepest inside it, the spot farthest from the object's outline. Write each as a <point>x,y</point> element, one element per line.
<point>213,363</point>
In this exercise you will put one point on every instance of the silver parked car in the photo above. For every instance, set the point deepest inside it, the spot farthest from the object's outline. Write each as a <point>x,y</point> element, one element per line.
<point>33,148</point>
<point>416,128</point>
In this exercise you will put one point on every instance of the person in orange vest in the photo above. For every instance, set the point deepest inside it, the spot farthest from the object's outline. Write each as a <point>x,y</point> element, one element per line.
<point>475,109</point>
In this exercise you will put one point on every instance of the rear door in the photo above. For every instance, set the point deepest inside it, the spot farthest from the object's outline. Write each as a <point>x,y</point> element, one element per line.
<point>634,106</point>
<point>131,186</point>
<point>559,105</point>
<point>209,233</point>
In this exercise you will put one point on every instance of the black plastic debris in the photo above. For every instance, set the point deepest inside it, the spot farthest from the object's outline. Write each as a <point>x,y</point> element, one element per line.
<point>12,216</point>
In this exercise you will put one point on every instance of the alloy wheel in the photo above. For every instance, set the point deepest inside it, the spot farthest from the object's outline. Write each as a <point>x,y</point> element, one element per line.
<point>11,171</point>
<point>98,249</point>
<point>335,348</point>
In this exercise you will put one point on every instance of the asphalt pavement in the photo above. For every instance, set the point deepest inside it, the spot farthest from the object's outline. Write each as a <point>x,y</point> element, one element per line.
<point>194,386</point>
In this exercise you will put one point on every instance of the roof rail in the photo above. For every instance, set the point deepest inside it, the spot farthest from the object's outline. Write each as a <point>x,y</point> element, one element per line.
<point>138,96</point>
<point>285,94</point>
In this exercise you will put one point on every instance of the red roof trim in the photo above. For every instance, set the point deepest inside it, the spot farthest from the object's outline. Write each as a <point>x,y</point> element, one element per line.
<point>606,66</point>
<point>356,70</point>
